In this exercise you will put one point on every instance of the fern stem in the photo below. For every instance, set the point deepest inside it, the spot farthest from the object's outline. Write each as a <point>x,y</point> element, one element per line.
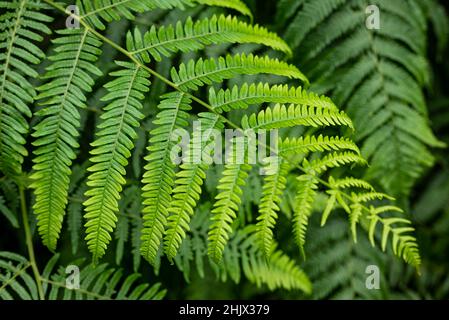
<point>29,243</point>
<point>176,87</point>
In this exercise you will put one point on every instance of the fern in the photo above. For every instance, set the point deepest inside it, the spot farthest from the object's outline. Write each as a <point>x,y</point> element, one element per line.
<point>226,206</point>
<point>273,189</point>
<point>282,116</point>
<point>160,171</point>
<point>99,282</point>
<point>189,36</point>
<point>278,272</point>
<point>173,66</point>
<point>376,75</point>
<point>248,94</point>
<point>21,26</point>
<point>206,72</point>
<point>111,151</point>
<point>56,133</point>
<point>188,186</point>
<point>241,257</point>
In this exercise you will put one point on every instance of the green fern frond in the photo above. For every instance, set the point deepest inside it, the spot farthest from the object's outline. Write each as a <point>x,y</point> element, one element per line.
<point>226,206</point>
<point>21,24</point>
<point>96,282</point>
<point>336,159</point>
<point>278,271</point>
<point>242,256</point>
<point>198,73</point>
<point>306,144</point>
<point>159,175</point>
<point>195,35</point>
<point>281,272</point>
<point>237,5</point>
<point>350,182</point>
<point>311,15</point>
<point>273,188</point>
<point>281,116</point>
<point>97,12</point>
<point>404,245</point>
<point>248,94</point>
<point>111,151</point>
<point>354,218</point>
<point>69,77</point>
<point>188,184</point>
<point>305,196</point>
<point>370,196</point>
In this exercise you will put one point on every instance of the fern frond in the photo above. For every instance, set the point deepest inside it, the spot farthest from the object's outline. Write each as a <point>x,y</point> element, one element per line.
<point>13,268</point>
<point>306,144</point>
<point>403,244</point>
<point>281,272</point>
<point>281,116</point>
<point>69,77</point>
<point>225,207</point>
<point>370,196</point>
<point>278,271</point>
<point>96,282</point>
<point>311,15</point>
<point>273,188</point>
<point>112,149</point>
<point>336,159</point>
<point>21,24</point>
<point>350,182</point>
<point>188,185</point>
<point>237,5</point>
<point>195,35</point>
<point>354,217</point>
<point>305,196</point>
<point>97,12</point>
<point>198,73</point>
<point>248,94</point>
<point>159,173</point>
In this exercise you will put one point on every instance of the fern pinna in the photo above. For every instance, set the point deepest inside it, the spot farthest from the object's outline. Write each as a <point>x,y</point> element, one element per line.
<point>171,193</point>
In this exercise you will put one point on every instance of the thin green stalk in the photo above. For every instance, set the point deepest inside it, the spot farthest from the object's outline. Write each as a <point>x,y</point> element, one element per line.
<point>29,243</point>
